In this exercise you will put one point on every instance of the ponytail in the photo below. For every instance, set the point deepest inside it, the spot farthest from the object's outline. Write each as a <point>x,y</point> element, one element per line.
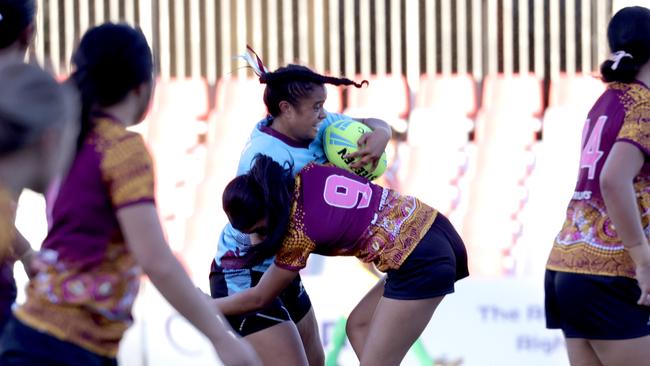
<point>86,90</point>
<point>628,34</point>
<point>301,73</point>
<point>111,60</point>
<point>293,83</point>
<point>290,83</point>
<point>265,192</point>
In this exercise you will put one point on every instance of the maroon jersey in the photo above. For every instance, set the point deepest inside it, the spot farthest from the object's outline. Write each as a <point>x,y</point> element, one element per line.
<point>588,242</point>
<point>337,213</point>
<point>86,292</point>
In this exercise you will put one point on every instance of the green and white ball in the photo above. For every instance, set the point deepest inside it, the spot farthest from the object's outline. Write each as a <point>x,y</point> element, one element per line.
<point>341,139</point>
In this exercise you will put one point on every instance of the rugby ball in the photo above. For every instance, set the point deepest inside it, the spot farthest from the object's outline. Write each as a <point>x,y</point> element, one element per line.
<point>340,139</point>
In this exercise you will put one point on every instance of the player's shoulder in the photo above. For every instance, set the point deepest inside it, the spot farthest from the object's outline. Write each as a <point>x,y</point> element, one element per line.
<point>110,134</point>
<point>638,91</point>
<point>118,146</point>
<point>260,140</point>
<point>640,94</point>
<point>630,95</point>
<point>277,152</point>
<point>313,168</point>
<point>266,146</point>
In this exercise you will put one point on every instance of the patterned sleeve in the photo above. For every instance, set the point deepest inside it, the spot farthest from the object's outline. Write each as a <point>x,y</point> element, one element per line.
<point>7,228</point>
<point>636,126</point>
<point>128,171</point>
<point>7,235</point>
<point>296,246</point>
<point>295,249</point>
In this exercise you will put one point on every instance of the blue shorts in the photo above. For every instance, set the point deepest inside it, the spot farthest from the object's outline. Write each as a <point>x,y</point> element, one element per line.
<point>595,307</point>
<point>21,345</point>
<point>436,263</point>
<point>292,305</point>
<point>8,291</point>
<point>5,315</point>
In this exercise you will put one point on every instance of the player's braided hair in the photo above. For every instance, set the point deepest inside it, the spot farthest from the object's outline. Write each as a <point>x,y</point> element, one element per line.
<point>294,82</point>
<point>290,83</point>
<point>111,60</point>
<point>264,192</point>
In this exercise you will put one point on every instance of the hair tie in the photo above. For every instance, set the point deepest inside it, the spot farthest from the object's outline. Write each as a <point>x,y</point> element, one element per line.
<point>617,57</point>
<point>254,61</point>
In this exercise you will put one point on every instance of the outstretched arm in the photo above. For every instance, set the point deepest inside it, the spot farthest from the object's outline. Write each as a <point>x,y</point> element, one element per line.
<point>272,283</point>
<point>144,237</point>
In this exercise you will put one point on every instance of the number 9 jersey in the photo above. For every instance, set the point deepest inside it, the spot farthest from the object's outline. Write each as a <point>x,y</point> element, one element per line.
<point>337,213</point>
<point>588,242</point>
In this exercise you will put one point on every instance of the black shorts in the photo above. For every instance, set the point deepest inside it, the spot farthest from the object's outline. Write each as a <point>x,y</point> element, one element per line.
<point>292,305</point>
<point>436,263</point>
<point>595,307</point>
<point>22,345</point>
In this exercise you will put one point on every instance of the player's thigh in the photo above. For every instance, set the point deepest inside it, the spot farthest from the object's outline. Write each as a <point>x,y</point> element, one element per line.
<point>624,352</point>
<point>361,315</point>
<point>310,336</point>
<point>298,304</point>
<point>396,325</point>
<point>360,318</point>
<point>279,344</point>
<point>581,353</point>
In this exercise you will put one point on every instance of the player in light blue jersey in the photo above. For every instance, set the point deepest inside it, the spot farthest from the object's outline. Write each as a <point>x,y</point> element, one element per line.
<point>285,332</point>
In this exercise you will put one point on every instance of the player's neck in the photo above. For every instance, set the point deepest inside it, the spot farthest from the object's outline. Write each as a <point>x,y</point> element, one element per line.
<point>280,125</point>
<point>644,74</point>
<point>122,112</point>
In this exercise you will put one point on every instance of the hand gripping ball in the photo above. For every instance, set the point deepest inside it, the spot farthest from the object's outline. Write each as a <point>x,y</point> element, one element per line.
<point>341,139</point>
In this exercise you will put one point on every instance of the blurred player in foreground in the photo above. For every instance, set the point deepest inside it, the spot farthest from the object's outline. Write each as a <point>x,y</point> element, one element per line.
<point>105,229</point>
<point>16,34</point>
<point>38,127</point>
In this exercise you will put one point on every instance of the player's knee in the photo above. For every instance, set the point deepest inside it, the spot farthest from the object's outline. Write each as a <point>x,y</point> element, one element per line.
<point>316,356</point>
<point>356,325</point>
<point>349,328</point>
<point>374,361</point>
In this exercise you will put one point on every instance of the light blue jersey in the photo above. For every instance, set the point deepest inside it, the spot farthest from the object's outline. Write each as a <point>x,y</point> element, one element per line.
<point>231,258</point>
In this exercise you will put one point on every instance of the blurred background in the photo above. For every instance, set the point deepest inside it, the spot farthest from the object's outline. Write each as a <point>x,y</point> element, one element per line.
<point>487,99</point>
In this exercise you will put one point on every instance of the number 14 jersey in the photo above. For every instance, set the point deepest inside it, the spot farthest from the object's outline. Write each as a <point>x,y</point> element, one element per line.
<point>337,213</point>
<point>588,242</point>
